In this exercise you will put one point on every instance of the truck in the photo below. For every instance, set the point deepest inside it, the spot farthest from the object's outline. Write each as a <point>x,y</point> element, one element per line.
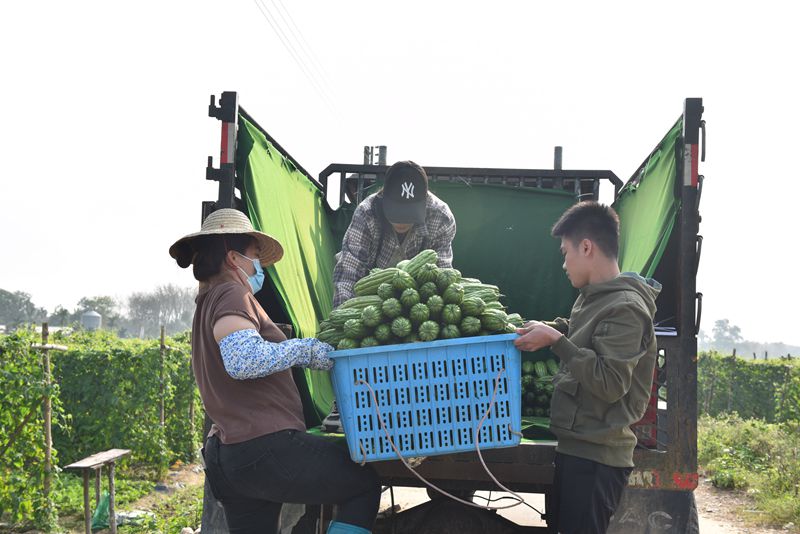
<point>503,217</point>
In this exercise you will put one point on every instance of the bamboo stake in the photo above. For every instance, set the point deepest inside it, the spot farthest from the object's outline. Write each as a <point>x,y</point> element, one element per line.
<point>87,514</point>
<point>163,349</point>
<point>48,417</point>
<point>191,399</point>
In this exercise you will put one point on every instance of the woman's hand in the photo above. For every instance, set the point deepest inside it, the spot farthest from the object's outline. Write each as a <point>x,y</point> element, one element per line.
<point>536,335</point>
<point>319,357</point>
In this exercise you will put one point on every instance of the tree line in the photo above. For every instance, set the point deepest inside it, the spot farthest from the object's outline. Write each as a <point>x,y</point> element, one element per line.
<point>140,315</point>
<point>726,338</point>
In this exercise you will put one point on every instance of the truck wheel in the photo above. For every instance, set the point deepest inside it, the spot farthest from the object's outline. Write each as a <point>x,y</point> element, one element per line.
<point>461,494</point>
<point>449,517</point>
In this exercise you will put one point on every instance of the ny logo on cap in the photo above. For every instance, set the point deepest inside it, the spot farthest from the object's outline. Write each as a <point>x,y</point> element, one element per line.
<point>407,190</point>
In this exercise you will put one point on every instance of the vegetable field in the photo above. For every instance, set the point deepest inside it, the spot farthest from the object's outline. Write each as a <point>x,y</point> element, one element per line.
<point>106,392</point>
<point>755,389</point>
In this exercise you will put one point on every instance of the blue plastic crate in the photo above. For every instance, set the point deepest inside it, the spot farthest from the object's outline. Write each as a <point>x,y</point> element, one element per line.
<point>431,396</point>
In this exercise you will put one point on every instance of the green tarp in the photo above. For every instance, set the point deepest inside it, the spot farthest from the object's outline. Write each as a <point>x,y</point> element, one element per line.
<point>284,203</point>
<point>648,206</point>
<point>503,238</point>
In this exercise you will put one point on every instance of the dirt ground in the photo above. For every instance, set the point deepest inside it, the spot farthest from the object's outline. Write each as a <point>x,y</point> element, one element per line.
<point>728,512</point>
<point>720,511</point>
<point>179,477</point>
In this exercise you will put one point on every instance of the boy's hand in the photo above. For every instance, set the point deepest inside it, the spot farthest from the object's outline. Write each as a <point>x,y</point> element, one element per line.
<point>535,335</point>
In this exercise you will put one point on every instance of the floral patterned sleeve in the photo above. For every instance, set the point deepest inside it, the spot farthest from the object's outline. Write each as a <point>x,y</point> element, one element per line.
<point>247,355</point>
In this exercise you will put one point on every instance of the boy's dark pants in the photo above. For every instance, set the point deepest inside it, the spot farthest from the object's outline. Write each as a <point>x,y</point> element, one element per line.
<point>585,495</point>
<point>253,478</point>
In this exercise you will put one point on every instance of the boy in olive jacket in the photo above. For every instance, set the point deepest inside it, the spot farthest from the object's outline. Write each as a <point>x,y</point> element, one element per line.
<point>607,350</point>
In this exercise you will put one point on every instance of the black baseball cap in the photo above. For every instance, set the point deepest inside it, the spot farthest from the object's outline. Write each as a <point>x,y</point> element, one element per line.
<point>405,190</point>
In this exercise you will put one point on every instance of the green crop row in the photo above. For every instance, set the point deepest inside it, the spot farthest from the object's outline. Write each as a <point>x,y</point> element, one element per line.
<point>758,389</point>
<point>107,392</point>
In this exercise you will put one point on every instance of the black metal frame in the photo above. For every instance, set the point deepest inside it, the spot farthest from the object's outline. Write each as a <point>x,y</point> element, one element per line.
<point>226,112</point>
<point>671,465</point>
<point>584,183</point>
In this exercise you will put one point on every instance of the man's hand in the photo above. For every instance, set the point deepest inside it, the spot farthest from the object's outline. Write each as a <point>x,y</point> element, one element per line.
<point>535,335</point>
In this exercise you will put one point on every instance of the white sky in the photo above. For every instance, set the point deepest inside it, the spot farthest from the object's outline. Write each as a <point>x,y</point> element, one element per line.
<point>105,132</point>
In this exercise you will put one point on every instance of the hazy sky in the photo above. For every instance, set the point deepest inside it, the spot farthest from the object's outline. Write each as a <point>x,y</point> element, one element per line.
<point>105,129</point>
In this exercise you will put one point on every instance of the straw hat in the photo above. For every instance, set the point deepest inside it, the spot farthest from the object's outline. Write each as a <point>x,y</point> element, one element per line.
<point>228,221</point>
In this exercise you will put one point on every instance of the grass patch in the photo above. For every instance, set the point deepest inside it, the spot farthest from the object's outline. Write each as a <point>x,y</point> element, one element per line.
<point>182,509</point>
<point>68,492</point>
<point>763,458</point>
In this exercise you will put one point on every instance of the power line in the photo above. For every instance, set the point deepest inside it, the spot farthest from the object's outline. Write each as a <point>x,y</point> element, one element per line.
<point>299,61</point>
<point>313,64</point>
<point>289,48</point>
<point>281,8</point>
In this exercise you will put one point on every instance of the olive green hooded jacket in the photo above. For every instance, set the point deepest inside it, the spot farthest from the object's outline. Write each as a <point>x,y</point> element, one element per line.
<point>607,360</point>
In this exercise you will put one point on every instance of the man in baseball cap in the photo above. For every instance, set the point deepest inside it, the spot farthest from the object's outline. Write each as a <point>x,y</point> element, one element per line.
<point>389,226</point>
<point>392,225</point>
<point>405,191</point>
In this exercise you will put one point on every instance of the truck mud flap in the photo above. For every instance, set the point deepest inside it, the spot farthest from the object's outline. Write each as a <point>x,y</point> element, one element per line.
<point>648,511</point>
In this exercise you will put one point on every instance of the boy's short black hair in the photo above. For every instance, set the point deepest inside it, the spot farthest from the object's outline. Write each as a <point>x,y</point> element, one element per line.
<point>591,220</point>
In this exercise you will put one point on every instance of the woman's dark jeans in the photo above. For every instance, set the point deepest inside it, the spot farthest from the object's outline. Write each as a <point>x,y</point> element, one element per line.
<point>253,478</point>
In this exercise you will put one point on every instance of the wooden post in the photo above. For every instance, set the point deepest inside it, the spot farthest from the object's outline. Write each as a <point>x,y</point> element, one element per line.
<point>191,399</point>
<point>87,515</point>
<point>192,443</point>
<point>710,392</point>
<point>112,516</point>
<point>730,383</point>
<point>786,377</point>
<point>47,408</point>
<point>48,417</point>
<point>192,429</point>
<point>98,474</point>
<point>163,349</point>
<point>730,394</point>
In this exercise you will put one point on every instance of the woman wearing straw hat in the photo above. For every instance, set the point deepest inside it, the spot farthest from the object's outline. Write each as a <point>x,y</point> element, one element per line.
<point>257,453</point>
